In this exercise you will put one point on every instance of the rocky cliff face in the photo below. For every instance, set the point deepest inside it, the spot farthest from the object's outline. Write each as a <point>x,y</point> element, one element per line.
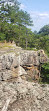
<point>15,62</point>
<point>17,68</point>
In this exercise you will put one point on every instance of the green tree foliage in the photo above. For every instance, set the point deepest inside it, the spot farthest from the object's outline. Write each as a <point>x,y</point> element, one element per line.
<point>2,36</point>
<point>44,30</point>
<point>45,72</point>
<point>41,42</point>
<point>13,21</point>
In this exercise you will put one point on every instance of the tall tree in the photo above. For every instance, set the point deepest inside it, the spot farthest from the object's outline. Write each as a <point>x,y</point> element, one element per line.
<point>11,16</point>
<point>44,30</point>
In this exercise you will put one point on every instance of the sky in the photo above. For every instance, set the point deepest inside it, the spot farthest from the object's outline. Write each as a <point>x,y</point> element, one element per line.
<point>38,10</point>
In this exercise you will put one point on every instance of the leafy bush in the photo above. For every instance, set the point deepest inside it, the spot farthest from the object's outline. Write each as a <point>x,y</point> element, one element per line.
<point>2,36</point>
<point>45,72</point>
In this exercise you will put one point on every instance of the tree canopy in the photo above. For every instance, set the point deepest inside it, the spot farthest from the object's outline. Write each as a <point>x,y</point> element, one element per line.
<point>44,30</point>
<point>13,21</point>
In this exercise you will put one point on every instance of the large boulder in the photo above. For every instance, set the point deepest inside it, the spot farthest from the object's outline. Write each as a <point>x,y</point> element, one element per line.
<point>10,66</point>
<point>12,63</point>
<point>21,71</point>
<point>7,63</point>
<point>29,58</point>
<point>43,56</point>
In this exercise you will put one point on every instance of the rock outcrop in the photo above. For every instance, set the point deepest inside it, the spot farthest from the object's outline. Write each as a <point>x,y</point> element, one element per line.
<point>12,58</point>
<point>24,96</point>
<point>17,67</point>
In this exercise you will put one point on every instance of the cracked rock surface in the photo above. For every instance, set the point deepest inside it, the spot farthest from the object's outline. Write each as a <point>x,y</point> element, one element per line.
<point>16,93</point>
<point>24,96</point>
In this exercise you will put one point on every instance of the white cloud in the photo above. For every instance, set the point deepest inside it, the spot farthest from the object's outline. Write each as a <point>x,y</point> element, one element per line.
<point>39,19</point>
<point>44,14</point>
<point>38,14</point>
<point>22,6</point>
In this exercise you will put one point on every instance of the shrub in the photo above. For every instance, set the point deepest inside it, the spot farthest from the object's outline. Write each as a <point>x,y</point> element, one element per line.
<point>45,72</point>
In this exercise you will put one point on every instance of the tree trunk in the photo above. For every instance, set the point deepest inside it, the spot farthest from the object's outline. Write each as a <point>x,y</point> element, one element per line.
<point>26,43</point>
